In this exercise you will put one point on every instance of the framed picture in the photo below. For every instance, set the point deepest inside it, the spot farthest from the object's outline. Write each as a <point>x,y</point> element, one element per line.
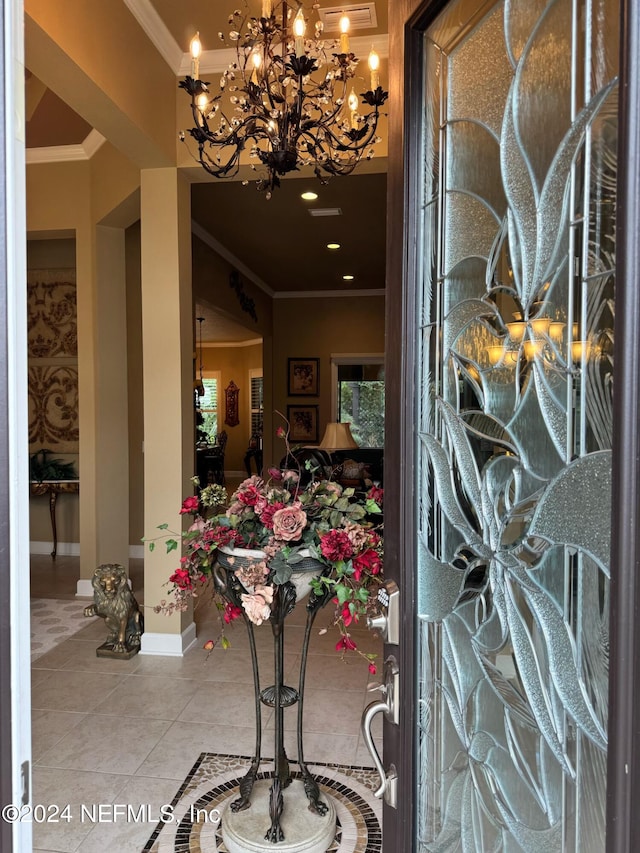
<point>304,377</point>
<point>303,421</point>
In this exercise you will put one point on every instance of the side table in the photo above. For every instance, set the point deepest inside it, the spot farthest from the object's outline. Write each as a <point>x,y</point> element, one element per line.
<point>53,488</point>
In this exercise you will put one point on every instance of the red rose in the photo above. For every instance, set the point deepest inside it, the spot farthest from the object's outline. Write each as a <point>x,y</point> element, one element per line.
<point>231,612</point>
<point>345,643</point>
<point>368,561</point>
<point>336,545</point>
<point>267,513</point>
<point>189,505</point>
<point>249,495</point>
<point>376,494</point>
<point>182,579</point>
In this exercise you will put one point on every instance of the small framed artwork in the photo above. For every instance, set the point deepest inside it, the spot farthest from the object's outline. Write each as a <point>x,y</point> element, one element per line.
<point>304,377</point>
<point>303,423</point>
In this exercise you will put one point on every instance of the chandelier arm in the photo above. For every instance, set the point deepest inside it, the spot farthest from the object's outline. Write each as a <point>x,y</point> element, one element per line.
<point>340,146</point>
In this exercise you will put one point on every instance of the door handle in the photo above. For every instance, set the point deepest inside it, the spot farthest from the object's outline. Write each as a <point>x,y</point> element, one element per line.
<point>389,707</point>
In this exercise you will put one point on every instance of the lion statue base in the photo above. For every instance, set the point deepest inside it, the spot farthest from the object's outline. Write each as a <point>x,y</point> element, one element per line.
<point>114,602</point>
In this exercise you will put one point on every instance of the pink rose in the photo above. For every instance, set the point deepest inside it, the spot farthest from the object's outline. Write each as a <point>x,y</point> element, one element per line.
<point>291,476</point>
<point>358,536</point>
<point>289,522</point>
<point>198,525</point>
<point>257,605</point>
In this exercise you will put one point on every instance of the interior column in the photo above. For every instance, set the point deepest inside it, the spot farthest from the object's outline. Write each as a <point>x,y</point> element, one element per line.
<point>104,465</point>
<point>167,342</point>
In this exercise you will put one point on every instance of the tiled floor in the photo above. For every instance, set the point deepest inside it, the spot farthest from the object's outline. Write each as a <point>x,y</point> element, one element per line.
<point>128,732</point>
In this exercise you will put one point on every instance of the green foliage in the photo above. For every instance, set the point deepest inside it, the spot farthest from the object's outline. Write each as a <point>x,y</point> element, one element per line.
<point>43,467</point>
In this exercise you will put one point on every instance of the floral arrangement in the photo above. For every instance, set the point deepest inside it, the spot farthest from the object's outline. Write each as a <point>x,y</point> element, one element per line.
<point>283,523</point>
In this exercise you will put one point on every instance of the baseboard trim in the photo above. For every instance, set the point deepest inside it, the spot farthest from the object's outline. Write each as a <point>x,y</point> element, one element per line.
<point>65,549</point>
<point>72,549</point>
<point>169,645</point>
<point>84,588</point>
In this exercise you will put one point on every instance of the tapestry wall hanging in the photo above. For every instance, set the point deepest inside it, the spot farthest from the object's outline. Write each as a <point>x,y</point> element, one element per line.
<point>52,331</point>
<point>231,394</point>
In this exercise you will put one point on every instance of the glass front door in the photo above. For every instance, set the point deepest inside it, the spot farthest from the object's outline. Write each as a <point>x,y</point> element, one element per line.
<point>513,425</point>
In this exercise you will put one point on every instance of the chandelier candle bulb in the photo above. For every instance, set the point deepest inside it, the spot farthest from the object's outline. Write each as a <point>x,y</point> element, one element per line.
<point>344,34</point>
<point>196,49</point>
<point>266,8</point>
<point>256,59</point>
<point>299,27</point>
<point>374,67</point>
<point>352,102</point>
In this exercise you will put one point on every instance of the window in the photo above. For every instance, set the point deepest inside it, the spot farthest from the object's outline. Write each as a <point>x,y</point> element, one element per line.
<point>256,401</point>
<point>359,397</point>
<point>208,428</point>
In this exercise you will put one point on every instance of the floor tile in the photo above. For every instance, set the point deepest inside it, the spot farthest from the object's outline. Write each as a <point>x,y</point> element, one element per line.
<point>75,789</point>
<point>129,833</point>
<point>73,691</point>
<point>148,696</point>
<point>49,727</point>
<point>106,744</point>
<point>178,749</point>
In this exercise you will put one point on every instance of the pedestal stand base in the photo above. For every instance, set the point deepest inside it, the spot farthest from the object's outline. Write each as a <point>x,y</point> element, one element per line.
<point>304,831</point>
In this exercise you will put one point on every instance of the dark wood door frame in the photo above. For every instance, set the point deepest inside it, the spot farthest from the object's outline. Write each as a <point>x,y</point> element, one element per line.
<point>407,20</point>
<point>623,774</point>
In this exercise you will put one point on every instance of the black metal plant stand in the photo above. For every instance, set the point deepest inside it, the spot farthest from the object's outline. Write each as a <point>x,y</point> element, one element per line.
<point>277,696</point>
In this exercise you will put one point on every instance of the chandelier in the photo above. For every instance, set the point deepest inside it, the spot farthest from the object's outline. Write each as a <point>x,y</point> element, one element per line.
<point>287,99</point>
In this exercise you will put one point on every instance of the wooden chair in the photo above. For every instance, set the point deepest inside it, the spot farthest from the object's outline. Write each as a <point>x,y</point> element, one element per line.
<point>217,458</point>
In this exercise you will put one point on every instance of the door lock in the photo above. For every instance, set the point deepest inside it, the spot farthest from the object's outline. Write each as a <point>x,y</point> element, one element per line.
<point>387,623</point>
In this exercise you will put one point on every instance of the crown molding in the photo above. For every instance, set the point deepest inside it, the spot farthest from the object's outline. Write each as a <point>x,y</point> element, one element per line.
<point>157,32</point>
<point>202,234</point>
<point>223,344</point>
<point>94,141</point>
<point>321,294</point>
<point>66,153</point>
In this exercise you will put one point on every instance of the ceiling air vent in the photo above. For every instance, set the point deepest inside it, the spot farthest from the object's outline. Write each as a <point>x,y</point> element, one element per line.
<point>325,211</point>
<point>362,16</point>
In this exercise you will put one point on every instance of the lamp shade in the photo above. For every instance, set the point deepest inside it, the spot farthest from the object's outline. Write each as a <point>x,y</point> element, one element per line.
<point>337,437</point>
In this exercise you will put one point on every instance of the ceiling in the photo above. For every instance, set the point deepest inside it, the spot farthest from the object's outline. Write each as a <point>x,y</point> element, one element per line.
<point>277,242</point>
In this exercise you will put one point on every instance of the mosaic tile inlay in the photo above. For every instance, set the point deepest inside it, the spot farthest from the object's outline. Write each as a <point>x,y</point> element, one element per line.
<point>213,781</point>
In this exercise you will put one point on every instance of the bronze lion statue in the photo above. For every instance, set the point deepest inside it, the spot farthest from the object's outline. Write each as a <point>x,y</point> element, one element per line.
<point>116,604</point>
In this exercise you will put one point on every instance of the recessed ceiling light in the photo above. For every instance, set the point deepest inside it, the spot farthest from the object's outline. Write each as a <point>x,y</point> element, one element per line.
<point>333,245</point>
<point>309,196</point>
<point>348,277</point>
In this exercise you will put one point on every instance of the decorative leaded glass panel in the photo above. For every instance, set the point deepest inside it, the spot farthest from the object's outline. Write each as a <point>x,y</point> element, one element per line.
<point>515,369</point>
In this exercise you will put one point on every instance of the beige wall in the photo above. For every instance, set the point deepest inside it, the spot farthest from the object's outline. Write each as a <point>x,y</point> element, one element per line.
<point>318,328</point>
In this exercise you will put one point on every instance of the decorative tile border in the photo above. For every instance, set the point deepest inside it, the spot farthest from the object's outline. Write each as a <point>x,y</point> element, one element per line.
<point>214,778</point>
